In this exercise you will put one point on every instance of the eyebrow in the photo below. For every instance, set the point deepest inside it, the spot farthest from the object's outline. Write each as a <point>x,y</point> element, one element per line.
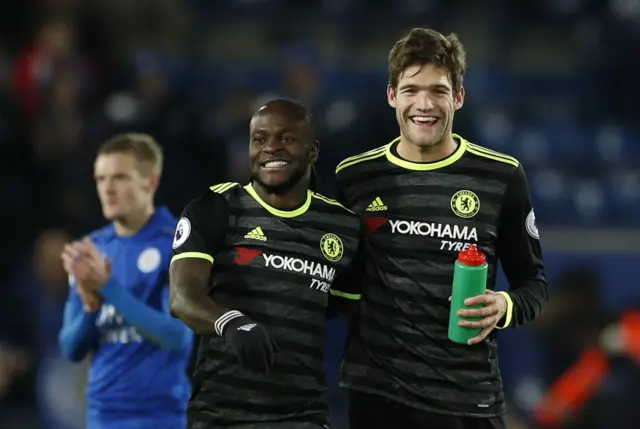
<point>414,86</point>
<point>279,130</point>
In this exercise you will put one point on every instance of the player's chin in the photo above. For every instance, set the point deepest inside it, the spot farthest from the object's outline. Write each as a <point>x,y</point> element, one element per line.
<point>427,137</point>
<point>271,182</point>
<point>424,141</point>
<point>110,213</point>
<point>275,176</point>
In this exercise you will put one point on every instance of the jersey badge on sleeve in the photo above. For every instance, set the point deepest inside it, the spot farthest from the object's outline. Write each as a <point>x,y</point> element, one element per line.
<point>531,225</point>
<point>183,230</point>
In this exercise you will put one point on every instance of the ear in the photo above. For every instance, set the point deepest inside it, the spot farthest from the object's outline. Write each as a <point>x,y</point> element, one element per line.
<point>314,151</point>
<point>154,182</point>
<point>459,99</point>
<point>391,96</point>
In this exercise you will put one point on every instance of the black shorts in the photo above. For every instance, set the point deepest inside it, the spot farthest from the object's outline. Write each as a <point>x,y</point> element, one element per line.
<point>375,412</point>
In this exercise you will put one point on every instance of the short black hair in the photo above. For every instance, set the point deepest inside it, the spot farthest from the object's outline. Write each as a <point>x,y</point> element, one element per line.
<point>294,105</point>
<point>298,109</point>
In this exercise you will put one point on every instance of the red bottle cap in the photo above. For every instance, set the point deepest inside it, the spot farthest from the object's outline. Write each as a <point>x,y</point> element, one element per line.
<point>472,257</point>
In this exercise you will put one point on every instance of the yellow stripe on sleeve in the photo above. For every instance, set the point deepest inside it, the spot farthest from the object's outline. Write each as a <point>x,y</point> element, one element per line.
<point>194,255</point>
<point>509,314</point>
<point>352,296</point>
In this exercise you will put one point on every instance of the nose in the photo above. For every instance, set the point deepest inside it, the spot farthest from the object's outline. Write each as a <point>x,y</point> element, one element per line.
<point>108,187</point>
<point>273,145</point>
<point>424,103</point>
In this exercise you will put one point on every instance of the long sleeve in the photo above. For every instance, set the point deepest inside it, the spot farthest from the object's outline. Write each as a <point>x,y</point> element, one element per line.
<point>520,254</point>
<point>79,333</point>
<point>157,326</point>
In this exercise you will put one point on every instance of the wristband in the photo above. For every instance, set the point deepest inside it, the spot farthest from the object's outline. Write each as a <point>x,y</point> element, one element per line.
<point>222,321</point>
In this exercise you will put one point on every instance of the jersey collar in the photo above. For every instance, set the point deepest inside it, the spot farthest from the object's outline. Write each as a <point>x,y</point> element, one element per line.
<point>160,219</point>
<point>425,166</point>
<point>276,212</point>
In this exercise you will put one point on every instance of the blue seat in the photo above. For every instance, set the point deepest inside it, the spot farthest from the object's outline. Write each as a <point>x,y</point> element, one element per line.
<point>550,196</point>
<point>623,188</point>
<point>570,147</point>
<point>532,147</point>
<point>590,202</point>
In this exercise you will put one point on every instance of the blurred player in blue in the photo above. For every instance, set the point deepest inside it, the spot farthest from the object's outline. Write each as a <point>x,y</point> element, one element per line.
<point>117,309</point>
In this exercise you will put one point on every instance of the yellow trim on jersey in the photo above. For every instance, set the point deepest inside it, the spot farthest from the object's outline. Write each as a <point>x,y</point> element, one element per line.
<point>509,313</point>
<point>221,188</point>
<point>427,166</point>
<point>329,201</point>
<point>276,212</point>
<point>366,156</point>
<point>353,296</point>
<point>192,255</point>
<point>492,154</point>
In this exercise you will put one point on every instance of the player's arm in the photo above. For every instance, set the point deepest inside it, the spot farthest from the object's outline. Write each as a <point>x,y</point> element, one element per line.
<point>202,233</point>
<point>154,325</point>
<point>518,247</point>
<point>79,334</point>
<point>346,291</point>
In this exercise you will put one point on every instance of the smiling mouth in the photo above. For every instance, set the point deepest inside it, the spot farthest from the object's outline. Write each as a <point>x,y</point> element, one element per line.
<point>275,164</point>
<point>424,121</point>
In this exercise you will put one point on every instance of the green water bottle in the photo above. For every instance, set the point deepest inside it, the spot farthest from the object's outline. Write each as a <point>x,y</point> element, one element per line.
<point>469,279</point>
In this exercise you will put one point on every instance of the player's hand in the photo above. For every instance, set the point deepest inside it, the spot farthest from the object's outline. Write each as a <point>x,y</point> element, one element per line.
<point>494,308</point>
<point>92,302</point>
<point>91,269</point>
<point>250,342</point>
<point>70,254</point>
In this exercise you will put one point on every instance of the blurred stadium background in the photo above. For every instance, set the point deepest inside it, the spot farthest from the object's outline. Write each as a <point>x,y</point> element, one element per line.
<point>553,82</point>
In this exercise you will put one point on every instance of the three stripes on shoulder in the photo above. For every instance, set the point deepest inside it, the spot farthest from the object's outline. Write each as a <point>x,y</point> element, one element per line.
<point>221,188</point>
<point>366,156</point>
<point>329,201</point>
<point>492,154</point>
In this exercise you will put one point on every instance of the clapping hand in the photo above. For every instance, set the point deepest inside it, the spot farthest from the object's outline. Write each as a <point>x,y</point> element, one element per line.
<point>90,269</point>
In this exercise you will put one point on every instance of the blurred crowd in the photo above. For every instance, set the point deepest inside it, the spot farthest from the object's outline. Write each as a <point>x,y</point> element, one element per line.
<point>551,82</point>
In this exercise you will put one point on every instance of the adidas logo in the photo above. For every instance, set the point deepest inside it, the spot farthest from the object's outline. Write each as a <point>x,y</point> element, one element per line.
<point>256,234</point>
<point>247,327</point>
<point>376,206</point>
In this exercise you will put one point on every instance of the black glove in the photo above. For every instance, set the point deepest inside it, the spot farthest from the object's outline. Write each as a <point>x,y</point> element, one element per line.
<point>251,343</point>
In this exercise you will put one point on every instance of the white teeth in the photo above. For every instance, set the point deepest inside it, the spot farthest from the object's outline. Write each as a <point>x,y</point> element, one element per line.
<point>424,119</point>
<point>272,164</point>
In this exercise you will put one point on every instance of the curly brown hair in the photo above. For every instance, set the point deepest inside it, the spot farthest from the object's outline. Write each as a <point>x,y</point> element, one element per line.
<point>424,46</point>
